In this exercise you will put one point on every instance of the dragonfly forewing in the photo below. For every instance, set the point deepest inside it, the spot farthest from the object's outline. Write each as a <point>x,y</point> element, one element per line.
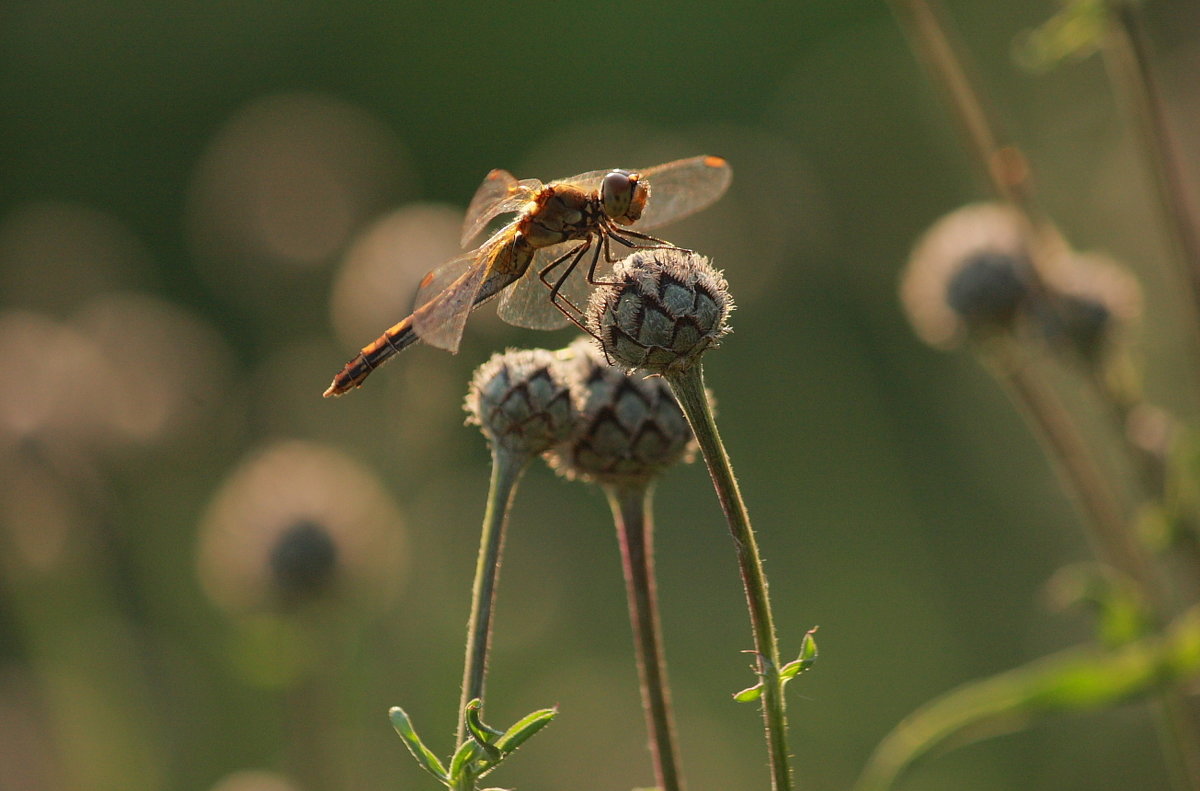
<point>683,187</point>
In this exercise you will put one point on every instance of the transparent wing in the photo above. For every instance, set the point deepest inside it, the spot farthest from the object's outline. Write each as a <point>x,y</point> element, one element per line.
<point>448,293</point>
<point>441,277</point>
<point>589,181</point>
<point>528,304</point>
<point>683,187</point>
<point>499,193</point>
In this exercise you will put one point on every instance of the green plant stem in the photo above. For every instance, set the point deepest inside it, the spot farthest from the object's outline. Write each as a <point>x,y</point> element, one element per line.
<point>688,387</point>
<point>1128,58</point>
<point>631,508</point>
<point>1110,533</point>
<point>507,468</point>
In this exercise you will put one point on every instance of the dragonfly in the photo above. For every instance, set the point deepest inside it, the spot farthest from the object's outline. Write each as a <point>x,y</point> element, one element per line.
<point>530,260</point>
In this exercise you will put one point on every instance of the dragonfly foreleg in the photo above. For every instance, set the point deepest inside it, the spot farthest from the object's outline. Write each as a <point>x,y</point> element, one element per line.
<point>619,236</point>
<point>575,255</point>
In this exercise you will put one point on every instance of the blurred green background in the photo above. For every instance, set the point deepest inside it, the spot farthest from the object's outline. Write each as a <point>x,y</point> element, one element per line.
<point>206,208</point>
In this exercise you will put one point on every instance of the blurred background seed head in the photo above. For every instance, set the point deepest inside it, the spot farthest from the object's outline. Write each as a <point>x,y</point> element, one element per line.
<point>969,275</point>
<point>297,521</point>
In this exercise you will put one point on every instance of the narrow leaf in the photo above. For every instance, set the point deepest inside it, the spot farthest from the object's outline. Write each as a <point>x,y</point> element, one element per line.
<point>517,735</point>
<point>425,759</point>
<point>749,694</point>
<point>483,734</point>
<point>807,658</point>
<point>465,753</point>
<point>1079,679</point>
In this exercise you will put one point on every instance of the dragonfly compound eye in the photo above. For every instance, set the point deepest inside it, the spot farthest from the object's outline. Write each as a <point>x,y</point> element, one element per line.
<point>623,196</point>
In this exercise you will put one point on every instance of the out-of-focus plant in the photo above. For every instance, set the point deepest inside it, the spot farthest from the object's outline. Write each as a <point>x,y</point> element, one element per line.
<point>1040,315</point>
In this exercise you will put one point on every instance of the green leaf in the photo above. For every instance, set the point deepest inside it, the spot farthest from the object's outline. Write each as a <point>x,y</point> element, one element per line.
<point>517,735</point>
<point>482,734</point>
<point>524,728</point>
<point>1079,679</point>
<point>807,658</point>
<point>466,752</point>
<point>749,694</point>
<point>1073,33</point>
<point>425,759</point>
<point>1122,613</point>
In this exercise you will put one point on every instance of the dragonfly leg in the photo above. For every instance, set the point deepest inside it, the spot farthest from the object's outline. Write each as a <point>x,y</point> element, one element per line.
<point>618,235</point>
<point>623,235</point>
<point>575,255</point>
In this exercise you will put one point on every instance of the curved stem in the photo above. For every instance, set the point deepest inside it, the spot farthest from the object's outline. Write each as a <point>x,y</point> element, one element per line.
<point>1128,60</point>
<point>688,387</point>
<point>507,468</point>
<point>635,531</point>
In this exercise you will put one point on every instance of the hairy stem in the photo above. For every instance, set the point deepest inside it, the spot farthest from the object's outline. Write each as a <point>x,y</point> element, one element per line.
<point>688,387</point>
<point>507,468</point>
<point>635,532</point>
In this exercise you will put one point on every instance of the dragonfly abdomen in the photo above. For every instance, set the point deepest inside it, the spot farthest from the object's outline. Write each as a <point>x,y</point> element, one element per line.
<point>373,355</point>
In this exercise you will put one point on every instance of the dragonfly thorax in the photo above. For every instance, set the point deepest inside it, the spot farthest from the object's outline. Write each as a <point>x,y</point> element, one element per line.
<point>561,213</point>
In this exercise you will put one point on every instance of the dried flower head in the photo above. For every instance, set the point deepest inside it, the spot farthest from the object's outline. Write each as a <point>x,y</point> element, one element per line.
<point>1090,299</point>
<point>631,428</point>
<point>522,401</point>
<point>663,308</point>
<point>969,275</point>
<point>296,522</point>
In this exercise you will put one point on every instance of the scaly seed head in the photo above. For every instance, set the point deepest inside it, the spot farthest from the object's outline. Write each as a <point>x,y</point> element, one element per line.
<point>665,306</point>
<point>522,401</point>
<point>630,429</point>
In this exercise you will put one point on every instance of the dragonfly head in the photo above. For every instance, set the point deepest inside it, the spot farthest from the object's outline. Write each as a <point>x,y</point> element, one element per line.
<point>624,196</point>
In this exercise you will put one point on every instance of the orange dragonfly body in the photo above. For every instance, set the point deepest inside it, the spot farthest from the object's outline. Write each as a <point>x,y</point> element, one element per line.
<point>529,261</point>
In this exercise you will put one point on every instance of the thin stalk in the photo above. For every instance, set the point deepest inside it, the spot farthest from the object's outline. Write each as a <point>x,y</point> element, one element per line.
<point>1128,58</point>
<point>635,532</point>
<point>1110,534</point>
<point>1076,465</point>
<point>507,468</point>
<point>932,40</point>
<point>1003,165</point>
<point>688,387</point>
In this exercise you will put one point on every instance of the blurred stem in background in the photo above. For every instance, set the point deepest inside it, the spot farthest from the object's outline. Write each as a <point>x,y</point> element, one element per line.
<point>933,41</point>
<point>1113,536</point>
<point>1127,53</point>
<point>82,650</point>
<point>1113,533</point>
